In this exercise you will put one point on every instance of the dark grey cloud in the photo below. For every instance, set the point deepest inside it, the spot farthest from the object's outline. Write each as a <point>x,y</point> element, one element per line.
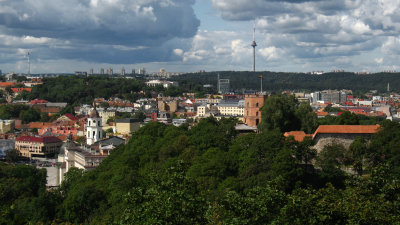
<point>95,31</point>
<point>100,21</point>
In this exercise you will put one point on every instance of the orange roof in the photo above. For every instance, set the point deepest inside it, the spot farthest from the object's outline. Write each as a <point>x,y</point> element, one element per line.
<point>50,109</point>
<point>346,129</point>
<point>19,90</point>
<point>6,84</point>
<point>298,135</point>
<point>321,113</point>
<point>39,125</point>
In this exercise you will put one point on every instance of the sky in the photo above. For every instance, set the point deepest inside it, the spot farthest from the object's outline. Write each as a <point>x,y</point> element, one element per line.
<point>191,35</point>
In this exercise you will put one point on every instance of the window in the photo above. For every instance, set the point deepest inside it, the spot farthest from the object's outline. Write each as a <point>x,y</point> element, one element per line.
<point>256,113</point>
<point>98,123</point>
<point>88,134</point>
<point>89,123</point>
<point>257,104</point>
<point>94,134</point>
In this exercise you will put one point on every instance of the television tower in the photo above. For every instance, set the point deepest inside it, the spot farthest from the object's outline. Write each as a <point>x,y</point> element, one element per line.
<point>254,44</point>
<point>29,62</point>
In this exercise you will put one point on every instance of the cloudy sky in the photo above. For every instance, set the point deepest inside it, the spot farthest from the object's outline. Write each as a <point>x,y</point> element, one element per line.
<point>191,35</point>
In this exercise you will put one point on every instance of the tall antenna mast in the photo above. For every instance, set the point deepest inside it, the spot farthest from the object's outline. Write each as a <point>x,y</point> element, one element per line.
<point>254,44</point>
<point>29,62</point>
<point>219,85</point>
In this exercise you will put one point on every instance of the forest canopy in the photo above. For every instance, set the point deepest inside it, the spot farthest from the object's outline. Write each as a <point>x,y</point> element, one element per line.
<point>211,175</point>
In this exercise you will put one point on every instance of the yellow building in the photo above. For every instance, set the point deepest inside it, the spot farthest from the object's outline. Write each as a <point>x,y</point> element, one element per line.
<point>127,125</point>
<point>29,146</point>
<point>6,126</point>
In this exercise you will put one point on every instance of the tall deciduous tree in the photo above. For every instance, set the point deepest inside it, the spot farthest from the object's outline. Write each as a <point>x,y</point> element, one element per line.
<point>279,112</point>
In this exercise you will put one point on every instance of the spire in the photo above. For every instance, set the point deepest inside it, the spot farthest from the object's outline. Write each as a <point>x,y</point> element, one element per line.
<point>94,113</point>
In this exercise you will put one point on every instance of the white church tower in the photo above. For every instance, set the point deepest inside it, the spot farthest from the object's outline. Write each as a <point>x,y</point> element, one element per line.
<point>94,131</point>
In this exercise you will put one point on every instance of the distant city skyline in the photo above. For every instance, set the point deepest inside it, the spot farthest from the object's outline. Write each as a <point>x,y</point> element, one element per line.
<point>193,35</point>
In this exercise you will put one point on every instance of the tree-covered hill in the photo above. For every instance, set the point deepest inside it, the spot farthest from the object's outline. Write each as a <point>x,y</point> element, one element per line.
<point>279,81</point>
<point>210,175</point>
<point>79,89</point>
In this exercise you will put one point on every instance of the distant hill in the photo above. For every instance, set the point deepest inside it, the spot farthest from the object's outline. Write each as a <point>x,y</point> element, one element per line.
<point>279,81</point>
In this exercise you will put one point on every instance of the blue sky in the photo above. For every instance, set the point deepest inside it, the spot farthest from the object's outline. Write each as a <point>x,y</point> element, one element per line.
<point>192,35</point>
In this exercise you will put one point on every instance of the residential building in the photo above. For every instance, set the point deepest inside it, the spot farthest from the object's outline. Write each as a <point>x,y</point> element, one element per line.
<point>127,126</point>
<point>231,108</point>
<point>105,115</point>
<point>178,122</point>
<point>29,146</point>
<point>329,96</point>
<point>17,91</point>
<point>165,84</point>
<point>169,106</point>
<point>223,86</point>
<point>6,126</point>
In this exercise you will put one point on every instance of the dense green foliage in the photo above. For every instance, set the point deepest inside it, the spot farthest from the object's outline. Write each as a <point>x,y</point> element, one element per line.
<point>74,89</point>
<point>23,197</point>
<point>285,113</point>
<point>348,118</point>
<point>211,175</point>
<point>274,81</point>
<point>23,112</point>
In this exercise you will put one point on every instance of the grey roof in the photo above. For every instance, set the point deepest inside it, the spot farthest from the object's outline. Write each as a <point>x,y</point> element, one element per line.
<point>115,141</point>
<point>231,103</point>
<point>244,127</point>
<point>56,104</point>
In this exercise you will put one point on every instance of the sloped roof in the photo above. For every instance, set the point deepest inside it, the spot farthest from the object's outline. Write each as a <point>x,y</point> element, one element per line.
<point>6,84</point>
<point>244,127</point>
<point>38,101</point>
<point>298,135</point>
<point>71,117</point>
<point>19,90</point>
<point>346,129</point>
<point>39,125</point>
<point>46,139</point>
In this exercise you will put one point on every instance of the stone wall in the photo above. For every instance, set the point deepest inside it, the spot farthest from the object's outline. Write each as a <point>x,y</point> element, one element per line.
<point>345,139</point>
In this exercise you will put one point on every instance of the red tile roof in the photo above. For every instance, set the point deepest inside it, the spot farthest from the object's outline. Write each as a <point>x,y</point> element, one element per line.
<point>38,101</point>
<point>346,129</point>
<point>298,135</point>
<point>46,139</point>
<point>39,125</point>
<point>6,84</point>
<point>19,90</point>
<point>321,113</point>
<point>71,117</point>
